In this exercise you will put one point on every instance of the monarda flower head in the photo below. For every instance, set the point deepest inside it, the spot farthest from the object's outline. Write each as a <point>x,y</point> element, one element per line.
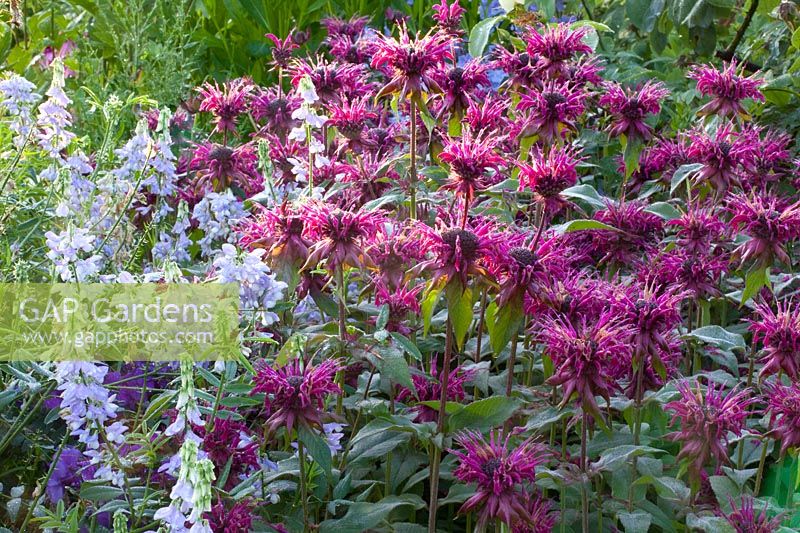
<point>393,251</point>
<point>458,253</point>
<point>281,49</point>
<point>226,103</point>
<point>238,518</point>
<point>542,513</point>
<point>410,63</point>
<point>448,17</point>
<point>517,66</point>
<point>698,230</point>
<point>351,117</point>
<point>552,111</point>
<point>697,273</point>
<point>429,388</point>
<point>727,87</point>
<point>637,232</point>
<point>333,81</point>
<point>349,28</point>
<point>723,156</point>
<point>488,115</point>
<point>459,85</point>
<point>784,408</point>
<point>280,231</point>
<point>230,446</point>
<point>629,108</point>
<point>769,223</point>
<point>548,175</point>
<point>219,166</point>
<point>296,393</point>
<point>555,47</point>
<point>779,334</point>
<point>498,470</point>
<point>588,355</point>
<point>745,519</point>
<point>340,237</point>
<point>706,417</point>
<point>471,160</point>
<point>274,110</point>
<point>401,301</point>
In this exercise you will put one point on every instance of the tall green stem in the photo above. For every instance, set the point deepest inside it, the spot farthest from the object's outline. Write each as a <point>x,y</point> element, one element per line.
<point>301,454</point>
<point>584,475</point>
<point>440,429</point>
<point>342,300</point>
<point>412,148</point>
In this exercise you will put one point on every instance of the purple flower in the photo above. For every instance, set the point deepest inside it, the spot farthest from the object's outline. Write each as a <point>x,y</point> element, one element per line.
<point>722,156</point>
<point>296,393</point>
<point>769,223</point>
<point>744,518</point>
<point>784,408</point>
<point>698,230</point>
<point>498,471</point>
<point>402,301</point>
<point>230,446</point>
<point>727,87</point>
<point>281,49</point>
<point>548,175</point>
<point>429,388</point>
<point>410,63</point>
<point>474,164</point>
<point>553,49</point>
<point>706,417</point>
<point>226,103</point>
<point>629,108</point>
<point>459,85</point>
<point>275,110</point>
<point>238,518</point>
<point>68,472</point>
<point>779,334</point>
<point>552,111</point>
<point>637,232</point>
<point>218,167</point>
<point>543,516</point>
<point>278,230</point>
<point>448,17</point>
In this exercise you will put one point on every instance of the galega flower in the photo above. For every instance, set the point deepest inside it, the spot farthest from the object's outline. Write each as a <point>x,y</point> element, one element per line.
<point>727,87</point>
<point>706,418</point>
<point>779,334</point>
<point>226,103</point>
<point>629,108</point>
<point>499,471</point>
<point>410,63</point>
<point>295,393</point>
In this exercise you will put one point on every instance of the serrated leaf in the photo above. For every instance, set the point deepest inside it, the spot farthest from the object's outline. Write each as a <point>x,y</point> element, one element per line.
<point>635,522</point>
<point>718,336</point>
<point>405,343</point>
<point>586,193</point>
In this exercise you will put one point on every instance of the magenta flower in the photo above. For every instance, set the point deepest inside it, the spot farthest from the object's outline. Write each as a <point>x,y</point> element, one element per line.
<point>238,518</point>
<point>333,81</point>
<point>637,233</point>
<point>779,334</point>
<point>458,252</point>
<point>772,157</point>
<point>367,179</point>
<point>393,250</point>
<point>498,472</point>
<point>459,85</point>
<point>402,302</point>
<point>727,87</point>
<point>229,445</point>
<point>275,110</point>
<point>697,273</point>
<point>722,156</point>
<point>429,388</point>
<point>553,110</point>
<point>279,231</point>
<point>448,17</point>
<point>281,49</point>
<point>410,63</point>
<point>352,28</point>
<point>744,518</point>
<point>769,223</point>
<point>526,272</point>
<point>340,237</point>
<point>784,408</point>
<point>350,118</point>
<point>218,167</point>
<point>548,175</point>
<point>296,393</point>
<point>556,46</point>
<point>518,67</point>
<point>226,103</point>
<point>706,417</point>
<point>629,108</point>
<point>488,115</point>
<point>471,160</point>
<point>698,230</point>
<point>588,356</point>
<point>348,50</point>
<point>543,516</point>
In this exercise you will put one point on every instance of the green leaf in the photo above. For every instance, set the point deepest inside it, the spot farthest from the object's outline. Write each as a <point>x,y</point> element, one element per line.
<point>479,35</point>
<point>635,522</point>
<point>506,323</point>
<point>485,414</point>
<point>665,210</point>
<point>364,516</point>
<point>644,13</point>
<point>459,309</point>
<point>393,366</point>
<point>375,440</point>
<point>427,307</point>
<point>383,317</point>
<point>581,224</point>
<point>633,149</point>
<point>406,344</point>
<point>756,279</point>
<point>709,524</point>
<point>317,448</point>
<point>586,193</point>
<point>681,174</point>
<point>718,336</point>
<point>100,492</point>
<point>613,458</point>
<point>796,38</point>
<point>291,349</point>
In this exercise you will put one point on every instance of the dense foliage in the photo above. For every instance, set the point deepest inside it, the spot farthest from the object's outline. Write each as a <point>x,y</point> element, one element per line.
<point>502,266</point>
